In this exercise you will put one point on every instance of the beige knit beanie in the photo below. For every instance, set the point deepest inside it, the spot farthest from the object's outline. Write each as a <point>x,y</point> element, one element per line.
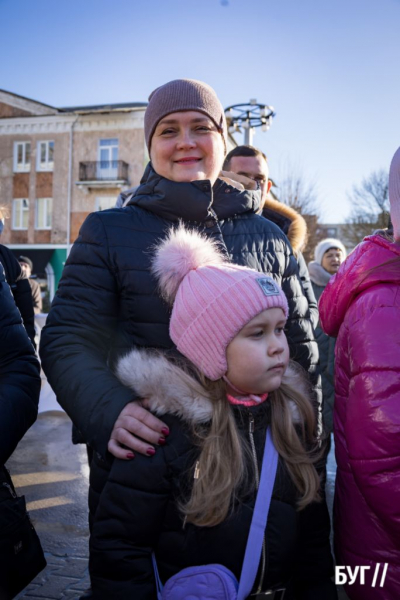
<point>183,94</point>
<point>394,194</point>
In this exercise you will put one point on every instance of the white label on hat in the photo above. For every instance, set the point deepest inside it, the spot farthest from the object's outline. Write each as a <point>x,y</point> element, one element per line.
<point>268,286</point>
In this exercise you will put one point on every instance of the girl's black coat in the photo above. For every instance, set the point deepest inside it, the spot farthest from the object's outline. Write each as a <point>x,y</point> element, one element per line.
<point>107,301</point>
<point>138,511</point>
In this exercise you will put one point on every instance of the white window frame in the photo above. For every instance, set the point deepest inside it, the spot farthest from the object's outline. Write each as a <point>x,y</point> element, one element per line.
<point>111,145</point>
<point>108,199</point>
<point>47,165</point>
<point>20,226</point>
<point>26,165</point>
<point>47,202</point>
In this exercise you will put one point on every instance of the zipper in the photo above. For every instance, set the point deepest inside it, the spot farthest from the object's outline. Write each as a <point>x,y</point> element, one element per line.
<point>257,477</point>
<point>8,486</point>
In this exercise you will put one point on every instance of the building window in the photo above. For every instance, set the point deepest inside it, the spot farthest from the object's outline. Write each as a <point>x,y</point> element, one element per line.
<point>104,202</point>
<point>43,213</point>
<point>108,159</point>
<point>331,232</point>
<point>22,156</point>
<point>45,160</point>
<point>20,213</point>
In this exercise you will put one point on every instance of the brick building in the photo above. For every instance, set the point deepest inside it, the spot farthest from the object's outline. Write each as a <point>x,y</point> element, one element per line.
<point>59,164</point>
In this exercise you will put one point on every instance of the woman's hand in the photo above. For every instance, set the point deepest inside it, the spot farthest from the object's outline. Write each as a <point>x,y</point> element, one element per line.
<point>240,182</point>
<point>137,420</point>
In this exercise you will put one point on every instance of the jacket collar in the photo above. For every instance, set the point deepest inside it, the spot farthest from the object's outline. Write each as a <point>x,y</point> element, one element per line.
<point>194,201</point>
<point>318,274</point>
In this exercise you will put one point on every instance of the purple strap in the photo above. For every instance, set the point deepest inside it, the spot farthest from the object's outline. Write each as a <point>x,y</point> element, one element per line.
<point>259,521</point>
<point>258,524</point>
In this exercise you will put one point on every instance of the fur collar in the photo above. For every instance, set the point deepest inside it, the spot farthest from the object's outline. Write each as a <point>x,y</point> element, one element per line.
<point>297,232</point>
<point>318,274</point>
<point>169,389</point>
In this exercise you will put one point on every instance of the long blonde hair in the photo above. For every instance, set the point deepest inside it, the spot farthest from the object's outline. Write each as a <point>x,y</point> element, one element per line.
<point>222,471</point>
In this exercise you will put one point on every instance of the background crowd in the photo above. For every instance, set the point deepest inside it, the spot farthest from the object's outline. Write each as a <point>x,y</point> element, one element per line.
<point>177,431</point>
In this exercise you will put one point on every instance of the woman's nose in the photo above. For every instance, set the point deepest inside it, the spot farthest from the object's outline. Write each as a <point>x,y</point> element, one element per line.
<point>186,140</point>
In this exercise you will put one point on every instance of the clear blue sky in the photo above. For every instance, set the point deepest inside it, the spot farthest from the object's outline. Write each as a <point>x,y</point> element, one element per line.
<point>330,69</point>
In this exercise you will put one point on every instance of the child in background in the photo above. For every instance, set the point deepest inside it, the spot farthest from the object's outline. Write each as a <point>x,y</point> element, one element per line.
<point>192,502</point>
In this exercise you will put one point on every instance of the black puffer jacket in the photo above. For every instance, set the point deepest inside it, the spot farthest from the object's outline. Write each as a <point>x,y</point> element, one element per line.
<point>138,512</point>
<point>19,375</point>
<point>21,290</point>
<point>107,300</point>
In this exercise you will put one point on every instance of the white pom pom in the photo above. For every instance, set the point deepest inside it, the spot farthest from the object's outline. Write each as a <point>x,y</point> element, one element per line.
<point>181,252</point>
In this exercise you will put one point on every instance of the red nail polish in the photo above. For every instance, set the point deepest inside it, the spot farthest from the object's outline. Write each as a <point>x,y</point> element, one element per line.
<point>130,455</point>
<point>150,451</point>
<point>162,441</point>
<point>165,431</point>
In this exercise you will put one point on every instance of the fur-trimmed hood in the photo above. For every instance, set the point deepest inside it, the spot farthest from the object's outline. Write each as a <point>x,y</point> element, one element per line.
<point>169,389</point>
<point>296,229</point>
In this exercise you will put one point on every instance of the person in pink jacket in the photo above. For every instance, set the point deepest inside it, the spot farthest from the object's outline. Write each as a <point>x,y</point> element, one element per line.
<point>361,306</point>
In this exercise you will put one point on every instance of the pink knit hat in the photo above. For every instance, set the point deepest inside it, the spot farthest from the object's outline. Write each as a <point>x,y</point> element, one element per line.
<point>394,194</point>
<point>179,95</point>
<point>212,299</point>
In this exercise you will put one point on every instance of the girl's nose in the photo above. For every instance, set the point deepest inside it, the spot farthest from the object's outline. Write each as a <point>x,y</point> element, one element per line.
<point>276,347</point>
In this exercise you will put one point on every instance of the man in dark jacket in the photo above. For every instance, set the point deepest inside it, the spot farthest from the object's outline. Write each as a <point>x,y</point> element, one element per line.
<point>249,162</point>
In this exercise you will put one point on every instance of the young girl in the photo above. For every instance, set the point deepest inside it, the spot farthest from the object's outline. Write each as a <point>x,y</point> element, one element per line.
<point>192,502</point>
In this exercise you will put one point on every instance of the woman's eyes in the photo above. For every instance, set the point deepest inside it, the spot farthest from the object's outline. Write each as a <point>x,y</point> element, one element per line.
<point>167,131</point>
<point>200,128</point>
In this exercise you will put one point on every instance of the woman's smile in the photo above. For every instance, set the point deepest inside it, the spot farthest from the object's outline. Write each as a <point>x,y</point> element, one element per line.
<point>189,160</point>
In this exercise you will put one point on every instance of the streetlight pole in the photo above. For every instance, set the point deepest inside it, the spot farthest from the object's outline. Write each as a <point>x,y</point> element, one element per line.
<point>247,117</point>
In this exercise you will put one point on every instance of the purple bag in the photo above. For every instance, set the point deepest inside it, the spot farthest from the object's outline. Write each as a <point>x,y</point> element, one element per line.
<point>208,582</point>
<point>216,582</point>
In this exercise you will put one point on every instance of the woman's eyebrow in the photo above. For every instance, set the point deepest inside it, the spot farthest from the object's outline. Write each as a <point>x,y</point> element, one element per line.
<point>174,121</point>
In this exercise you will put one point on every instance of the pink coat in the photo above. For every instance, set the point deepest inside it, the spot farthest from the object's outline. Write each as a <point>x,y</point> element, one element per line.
<point>361,306</point>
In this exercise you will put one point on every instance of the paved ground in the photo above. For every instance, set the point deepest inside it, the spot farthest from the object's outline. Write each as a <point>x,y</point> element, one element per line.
<point>53,475</point>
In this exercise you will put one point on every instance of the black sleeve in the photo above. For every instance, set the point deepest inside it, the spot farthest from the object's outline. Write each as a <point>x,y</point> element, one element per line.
<point>21,290</point>
<point>314,567</point>
<point>127,525</point>
<point>300,332</point>
<point>19,375</point>
<point>77,335</point>
<point>23,299</point>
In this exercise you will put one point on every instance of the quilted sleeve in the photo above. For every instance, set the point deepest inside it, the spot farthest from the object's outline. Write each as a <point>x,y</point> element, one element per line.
<point>76,339</point>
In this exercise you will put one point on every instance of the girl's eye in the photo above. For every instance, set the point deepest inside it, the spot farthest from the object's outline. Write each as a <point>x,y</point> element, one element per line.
<point>203,128</point>
<point>280,330</point>
<point>258,333</point>
<point>167,131</point>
